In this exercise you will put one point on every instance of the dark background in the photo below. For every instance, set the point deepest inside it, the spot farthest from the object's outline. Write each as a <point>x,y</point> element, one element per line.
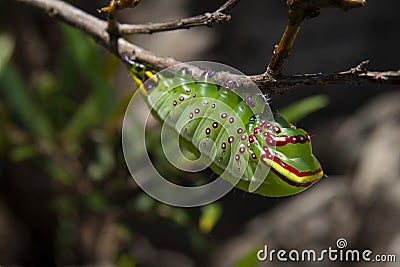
<point>66,197</point>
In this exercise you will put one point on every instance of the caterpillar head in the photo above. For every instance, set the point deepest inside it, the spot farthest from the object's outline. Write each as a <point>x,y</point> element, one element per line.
<point>138,71</point>
<point>140,74</point>
<point>287,150</point>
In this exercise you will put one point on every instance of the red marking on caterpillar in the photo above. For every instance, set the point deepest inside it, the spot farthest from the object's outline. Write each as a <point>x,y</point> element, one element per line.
<point>284,139</point>
<point>257,130</point>
<point>288,167</point>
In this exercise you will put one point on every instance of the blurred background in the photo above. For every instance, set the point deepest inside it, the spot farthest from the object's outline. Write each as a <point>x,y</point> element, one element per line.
<point>67,198</point>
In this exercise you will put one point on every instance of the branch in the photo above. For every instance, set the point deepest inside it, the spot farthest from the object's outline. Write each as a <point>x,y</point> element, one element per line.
<point>356,76</point>
<point>221,15</point>
<point>268,83</point>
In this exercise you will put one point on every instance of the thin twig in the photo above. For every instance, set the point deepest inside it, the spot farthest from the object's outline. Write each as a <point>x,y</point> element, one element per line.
<point>97,29</point>
<point>119,4</point>
<point>299,10</point>
<point>221,15</point>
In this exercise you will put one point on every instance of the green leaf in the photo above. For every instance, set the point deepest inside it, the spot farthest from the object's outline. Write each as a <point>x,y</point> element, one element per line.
<point>126,260</point>
<point>16,95</point>
<point>23,152</point>
<point>143,203</point>
<point>6,50</point>
<point>87,63</point>
<point>304,107</point>
<point>104,162</point>
<point>58,173</point>
<point>20,102</point>
<point>248,260</point>
<point>97,202</point>
<point>209,217</point>
<point>64,205</point>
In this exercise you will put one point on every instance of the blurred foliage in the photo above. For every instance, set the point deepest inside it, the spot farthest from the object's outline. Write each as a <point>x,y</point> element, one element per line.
<point>66,122</point>
<point>300,109</point>
<point>209,217</point>
<point>248,260</point>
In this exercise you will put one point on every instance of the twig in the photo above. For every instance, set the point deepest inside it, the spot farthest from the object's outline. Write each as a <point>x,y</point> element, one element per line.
<point>299,10</point>
<point>96,28</point>
<point>221,15</point>
<point>119,4</point>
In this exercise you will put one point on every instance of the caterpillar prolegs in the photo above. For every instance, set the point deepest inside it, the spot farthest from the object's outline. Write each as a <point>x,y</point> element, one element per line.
<point>255,152</point>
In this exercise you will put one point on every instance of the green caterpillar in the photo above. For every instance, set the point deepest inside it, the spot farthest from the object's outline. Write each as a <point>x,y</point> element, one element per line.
<point>255,153</point>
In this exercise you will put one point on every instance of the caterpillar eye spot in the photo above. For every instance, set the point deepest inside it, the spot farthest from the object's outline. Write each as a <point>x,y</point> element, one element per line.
<point>270,141</point>
<point>277,129</point>
<point>223,145</point>
<point>252,138</point>
<point>257,130</point>
<point>302,139</point>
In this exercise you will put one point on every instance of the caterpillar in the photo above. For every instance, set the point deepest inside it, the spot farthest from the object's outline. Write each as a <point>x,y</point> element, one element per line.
<point>256,153</point>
